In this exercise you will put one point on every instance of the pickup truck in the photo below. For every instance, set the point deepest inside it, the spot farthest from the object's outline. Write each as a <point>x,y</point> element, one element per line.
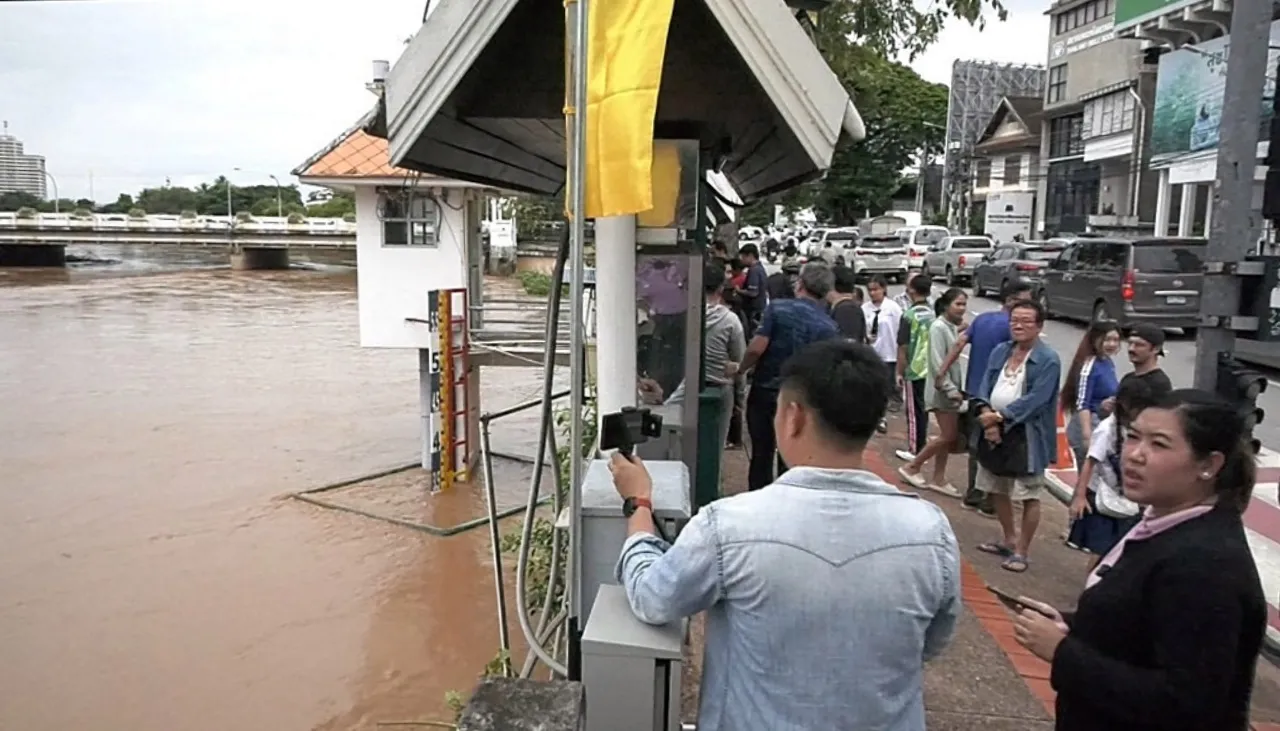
<point>955,258</point>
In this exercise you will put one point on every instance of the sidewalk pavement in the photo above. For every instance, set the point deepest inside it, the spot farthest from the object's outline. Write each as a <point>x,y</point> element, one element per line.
<point>985,681</point>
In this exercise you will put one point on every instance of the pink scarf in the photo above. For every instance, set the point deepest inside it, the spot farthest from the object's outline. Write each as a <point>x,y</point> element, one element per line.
<point>1146,528</point>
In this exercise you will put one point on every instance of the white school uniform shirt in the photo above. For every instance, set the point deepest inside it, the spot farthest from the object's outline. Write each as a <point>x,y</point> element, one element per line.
<point>886,342</point>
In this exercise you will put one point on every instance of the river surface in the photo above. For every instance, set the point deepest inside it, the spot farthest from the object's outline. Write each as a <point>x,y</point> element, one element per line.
<point>155,409</point>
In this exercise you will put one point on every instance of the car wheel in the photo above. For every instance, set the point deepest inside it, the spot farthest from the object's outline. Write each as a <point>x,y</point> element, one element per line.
<point>1100,311</point>
<point>1004,284</point>
<point>951,277</point>
<point>924,272</point>
<point>1044,304</point>
<point>1189,332</point>
<point>839,261</point>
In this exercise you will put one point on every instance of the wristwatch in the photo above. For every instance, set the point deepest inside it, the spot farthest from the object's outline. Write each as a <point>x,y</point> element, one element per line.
<point>631,504</point>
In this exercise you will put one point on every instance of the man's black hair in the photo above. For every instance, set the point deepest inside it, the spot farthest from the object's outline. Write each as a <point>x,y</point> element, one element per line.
<point>844,383</point>
<point>749,250</point>
<point>921,285</point>
<point>845,279</point>
<point>713,276</point>
<point>736,264</point>
<point>1013,288</point>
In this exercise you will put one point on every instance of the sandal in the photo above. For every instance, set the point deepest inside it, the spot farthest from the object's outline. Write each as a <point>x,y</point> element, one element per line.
<point>1015,563</point>
<point>996,548</point>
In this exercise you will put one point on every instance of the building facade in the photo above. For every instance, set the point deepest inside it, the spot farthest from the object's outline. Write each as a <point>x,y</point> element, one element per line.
<point>1006,160</point>
<point>20,172</point>
<point>1098,92</point>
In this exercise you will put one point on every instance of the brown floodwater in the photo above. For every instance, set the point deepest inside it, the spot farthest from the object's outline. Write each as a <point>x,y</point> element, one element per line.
<point>155,409</point>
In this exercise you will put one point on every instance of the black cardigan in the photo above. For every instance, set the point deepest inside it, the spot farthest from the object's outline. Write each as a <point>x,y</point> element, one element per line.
<point>1168,639</point>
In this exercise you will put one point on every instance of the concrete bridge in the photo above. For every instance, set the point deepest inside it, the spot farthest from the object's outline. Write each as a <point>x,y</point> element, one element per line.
<point>262,243</point>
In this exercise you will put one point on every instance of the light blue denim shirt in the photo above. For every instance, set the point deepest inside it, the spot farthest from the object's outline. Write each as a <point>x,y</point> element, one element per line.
<point>825,593</point>
<point>1037,407</point>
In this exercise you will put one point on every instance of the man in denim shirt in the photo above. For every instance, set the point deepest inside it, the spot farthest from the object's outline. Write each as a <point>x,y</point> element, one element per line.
<point>826,591</point>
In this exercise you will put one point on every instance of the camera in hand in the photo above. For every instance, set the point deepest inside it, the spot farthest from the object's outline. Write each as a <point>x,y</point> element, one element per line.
<point>627,428</point>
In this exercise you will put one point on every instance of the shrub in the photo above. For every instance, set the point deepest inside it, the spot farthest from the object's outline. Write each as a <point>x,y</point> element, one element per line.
<point>244,217</point>
<point>296,218</point>
<point>349,217</point>
<point>188,215</point>
<point>82,214</point>
<point>137,213</point>
<point>535,283</point>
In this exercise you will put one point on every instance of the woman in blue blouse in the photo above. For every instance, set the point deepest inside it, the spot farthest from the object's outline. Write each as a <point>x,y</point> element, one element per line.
<point>1091,385</point>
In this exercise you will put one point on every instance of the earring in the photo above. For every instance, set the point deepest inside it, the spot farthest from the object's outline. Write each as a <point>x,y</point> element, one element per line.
<point>1204,475</point>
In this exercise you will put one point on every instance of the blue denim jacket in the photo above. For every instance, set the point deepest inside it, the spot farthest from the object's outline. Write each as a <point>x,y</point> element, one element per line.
<point>825,592</point>
<point>1039,402</point>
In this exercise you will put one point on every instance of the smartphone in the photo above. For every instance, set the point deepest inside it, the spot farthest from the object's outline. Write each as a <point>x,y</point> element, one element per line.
<point>1012,602</point>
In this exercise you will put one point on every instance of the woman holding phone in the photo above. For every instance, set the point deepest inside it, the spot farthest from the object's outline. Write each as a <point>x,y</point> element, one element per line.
<point>1167,631</point>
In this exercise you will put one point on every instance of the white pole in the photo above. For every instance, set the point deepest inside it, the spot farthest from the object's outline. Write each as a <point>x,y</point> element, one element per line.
<point>615,313</point>
<point>577,365</point>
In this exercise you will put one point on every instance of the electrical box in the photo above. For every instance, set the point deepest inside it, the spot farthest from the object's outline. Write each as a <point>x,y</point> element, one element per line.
<point>631,669</point>
<point>604,528</point>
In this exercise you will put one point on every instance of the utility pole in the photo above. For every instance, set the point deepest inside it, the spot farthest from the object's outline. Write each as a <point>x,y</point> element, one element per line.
<point>1235,225</point>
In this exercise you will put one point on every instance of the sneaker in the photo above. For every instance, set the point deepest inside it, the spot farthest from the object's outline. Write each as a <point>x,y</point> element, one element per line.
<point>883,427</point>
<point>904,455</point>
<point>948,489</point>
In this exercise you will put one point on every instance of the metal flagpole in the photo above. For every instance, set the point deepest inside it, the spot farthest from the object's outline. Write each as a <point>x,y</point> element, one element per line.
<point>577,346</point>
<point>1235,225</point>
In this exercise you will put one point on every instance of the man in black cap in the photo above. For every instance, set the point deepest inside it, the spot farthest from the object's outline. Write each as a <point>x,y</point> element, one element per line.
<point>1146,345</point>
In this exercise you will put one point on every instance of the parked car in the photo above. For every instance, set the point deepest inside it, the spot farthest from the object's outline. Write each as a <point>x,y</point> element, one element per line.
<point>880,254</point>
<point>955,257</point>
<point>918,239</point>
<point>1155,279</point>
<point>1022,260</point>
<point>836,245</point>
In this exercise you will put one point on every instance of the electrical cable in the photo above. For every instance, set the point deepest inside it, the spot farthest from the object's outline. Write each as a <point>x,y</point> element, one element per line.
<point>544,440</point>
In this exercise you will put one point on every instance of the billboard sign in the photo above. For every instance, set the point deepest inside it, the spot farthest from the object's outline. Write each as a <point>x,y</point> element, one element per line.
<point>1132,12</point>
<point>1188,105</point>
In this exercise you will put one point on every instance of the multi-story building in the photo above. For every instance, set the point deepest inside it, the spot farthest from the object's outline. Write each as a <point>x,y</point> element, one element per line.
<point>19,172</point>
<point>1098,93</point>
<point>1188,103</point>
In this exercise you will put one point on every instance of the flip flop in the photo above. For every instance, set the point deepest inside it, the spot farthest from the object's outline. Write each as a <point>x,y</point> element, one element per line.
<point>1015,563</point>
<point>996,549</point>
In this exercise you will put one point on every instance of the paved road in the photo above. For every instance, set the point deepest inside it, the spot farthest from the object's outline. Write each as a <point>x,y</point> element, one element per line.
<point>1179,361</point>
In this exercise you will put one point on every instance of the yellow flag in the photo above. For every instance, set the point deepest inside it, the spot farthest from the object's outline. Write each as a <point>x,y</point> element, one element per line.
<point>626,46</point>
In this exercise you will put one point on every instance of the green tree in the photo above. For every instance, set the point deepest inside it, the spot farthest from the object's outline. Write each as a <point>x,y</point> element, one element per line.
<point>905,115</point>
<point>14,200</point>
<point>340,205</point>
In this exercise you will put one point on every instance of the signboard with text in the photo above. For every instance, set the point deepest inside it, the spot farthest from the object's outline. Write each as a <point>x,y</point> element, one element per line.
<point>1188,104</point>
<point>1133,12</point>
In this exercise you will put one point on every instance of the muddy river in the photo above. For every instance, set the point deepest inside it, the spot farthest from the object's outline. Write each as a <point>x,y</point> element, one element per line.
<point>155,409</point>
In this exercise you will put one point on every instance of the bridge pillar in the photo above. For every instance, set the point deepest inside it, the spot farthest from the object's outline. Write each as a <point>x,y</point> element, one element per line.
<point>33,255</point>
<point>248,258</point>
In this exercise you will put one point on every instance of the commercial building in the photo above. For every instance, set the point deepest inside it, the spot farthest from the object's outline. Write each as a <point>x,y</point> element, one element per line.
<point>19,172</point>
<point>1188,104</point>
<point>1095,130</point>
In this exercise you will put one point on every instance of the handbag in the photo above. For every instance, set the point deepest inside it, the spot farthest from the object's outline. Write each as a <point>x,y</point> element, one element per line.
<point>965,424</point>
<point>1009,457</point>
<point>1109,499</point>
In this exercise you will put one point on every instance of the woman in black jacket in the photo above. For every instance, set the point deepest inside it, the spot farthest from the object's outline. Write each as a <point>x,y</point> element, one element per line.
<point>1168,628</point>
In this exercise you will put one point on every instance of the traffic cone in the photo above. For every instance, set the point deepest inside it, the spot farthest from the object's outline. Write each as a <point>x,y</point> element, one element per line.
<point>1066,458</point>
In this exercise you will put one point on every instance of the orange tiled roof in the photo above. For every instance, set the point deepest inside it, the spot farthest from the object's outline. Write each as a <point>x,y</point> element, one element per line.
<point>357,154</point>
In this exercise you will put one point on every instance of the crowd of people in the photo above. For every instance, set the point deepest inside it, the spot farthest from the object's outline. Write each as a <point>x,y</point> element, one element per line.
<point>826,588</point>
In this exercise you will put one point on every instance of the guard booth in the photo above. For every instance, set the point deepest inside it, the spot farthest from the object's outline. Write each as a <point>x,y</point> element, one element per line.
<point>480,95</point>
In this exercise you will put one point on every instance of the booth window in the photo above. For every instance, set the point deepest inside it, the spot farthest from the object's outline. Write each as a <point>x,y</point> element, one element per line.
<point>408,218</point>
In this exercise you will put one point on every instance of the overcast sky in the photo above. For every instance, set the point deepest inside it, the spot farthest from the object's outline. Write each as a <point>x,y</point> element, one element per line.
<point>122,94</point>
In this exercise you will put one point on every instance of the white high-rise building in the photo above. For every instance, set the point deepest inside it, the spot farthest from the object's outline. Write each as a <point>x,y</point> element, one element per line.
<point>20,172</point>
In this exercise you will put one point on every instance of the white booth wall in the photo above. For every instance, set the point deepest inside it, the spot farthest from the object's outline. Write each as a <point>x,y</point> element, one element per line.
<point>393,281</point>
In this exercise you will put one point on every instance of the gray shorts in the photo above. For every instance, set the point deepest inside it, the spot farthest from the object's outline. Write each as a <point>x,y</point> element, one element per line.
<point>1019,489</point>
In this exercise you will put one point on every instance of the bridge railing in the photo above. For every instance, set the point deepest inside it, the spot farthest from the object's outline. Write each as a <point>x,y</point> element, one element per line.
<point>162,222</point>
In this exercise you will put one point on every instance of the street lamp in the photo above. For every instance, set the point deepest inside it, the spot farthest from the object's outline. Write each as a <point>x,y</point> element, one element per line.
<point>279,196</point>
<point>56,196</point>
